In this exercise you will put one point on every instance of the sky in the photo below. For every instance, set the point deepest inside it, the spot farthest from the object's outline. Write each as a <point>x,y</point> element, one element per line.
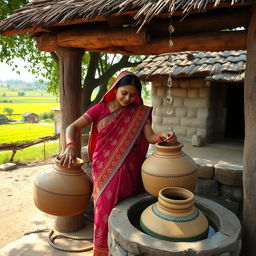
<point>7,73</point>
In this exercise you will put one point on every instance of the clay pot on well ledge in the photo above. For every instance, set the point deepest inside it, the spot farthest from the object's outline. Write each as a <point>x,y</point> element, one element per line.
<point>174,217</point>
<point>62,191</point>
<point>168,166</point>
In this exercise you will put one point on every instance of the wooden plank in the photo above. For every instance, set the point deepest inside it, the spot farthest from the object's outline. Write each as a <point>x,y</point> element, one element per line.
<point>102,37</point>
<point>212,41</point>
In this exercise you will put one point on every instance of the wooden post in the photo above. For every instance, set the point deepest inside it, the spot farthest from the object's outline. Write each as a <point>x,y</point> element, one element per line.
<point>70,88</point>
<point>70,108</point>
<point>249,174</point>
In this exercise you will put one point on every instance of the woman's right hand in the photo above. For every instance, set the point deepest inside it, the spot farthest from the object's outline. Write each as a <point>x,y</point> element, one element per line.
<point>68,158</point>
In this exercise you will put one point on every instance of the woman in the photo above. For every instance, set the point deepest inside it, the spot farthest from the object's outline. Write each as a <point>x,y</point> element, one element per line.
<point>118,144</point>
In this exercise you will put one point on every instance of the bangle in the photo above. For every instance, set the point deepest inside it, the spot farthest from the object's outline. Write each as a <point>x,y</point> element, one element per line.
<point>71,143</point>
<point>71,146</point>
<point>159,139</point>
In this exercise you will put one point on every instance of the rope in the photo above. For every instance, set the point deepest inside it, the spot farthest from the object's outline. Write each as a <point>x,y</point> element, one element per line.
<point>51,239</point>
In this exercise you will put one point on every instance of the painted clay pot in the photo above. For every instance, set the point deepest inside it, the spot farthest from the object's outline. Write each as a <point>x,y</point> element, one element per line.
<point>62,191</point>
<point>174,217</point>
<point>168,166</point>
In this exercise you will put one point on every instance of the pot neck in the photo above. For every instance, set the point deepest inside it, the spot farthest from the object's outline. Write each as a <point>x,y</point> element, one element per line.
<point>165,148</point>
<point>175,200</point>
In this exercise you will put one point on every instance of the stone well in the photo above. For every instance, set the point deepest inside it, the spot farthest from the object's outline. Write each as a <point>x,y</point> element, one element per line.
<point>126,238</point>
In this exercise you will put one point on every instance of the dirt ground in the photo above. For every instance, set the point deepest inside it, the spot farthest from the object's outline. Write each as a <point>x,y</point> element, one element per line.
<point>18,214</point>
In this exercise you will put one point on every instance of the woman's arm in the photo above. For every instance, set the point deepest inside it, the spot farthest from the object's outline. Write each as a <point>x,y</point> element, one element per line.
<point>153,138</point>
<point>72,132</point>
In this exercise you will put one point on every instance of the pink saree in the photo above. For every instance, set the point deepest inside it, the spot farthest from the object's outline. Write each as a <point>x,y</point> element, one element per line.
<point>119,148</point>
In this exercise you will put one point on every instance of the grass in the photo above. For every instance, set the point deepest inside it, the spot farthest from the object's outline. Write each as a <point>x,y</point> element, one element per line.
<point>20,132</point>
<point>36,153</point>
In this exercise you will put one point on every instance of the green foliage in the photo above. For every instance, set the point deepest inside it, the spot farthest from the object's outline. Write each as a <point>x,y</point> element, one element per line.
<point>46,116</point>
<point>9,111</point>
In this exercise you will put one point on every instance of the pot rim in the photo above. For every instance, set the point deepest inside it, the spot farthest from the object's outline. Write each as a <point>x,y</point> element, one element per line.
<point>177,191</point>
<point>166,145</point>
<point>79,163</point>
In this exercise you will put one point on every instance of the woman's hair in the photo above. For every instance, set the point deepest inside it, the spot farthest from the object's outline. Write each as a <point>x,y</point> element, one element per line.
<point>130,80</point>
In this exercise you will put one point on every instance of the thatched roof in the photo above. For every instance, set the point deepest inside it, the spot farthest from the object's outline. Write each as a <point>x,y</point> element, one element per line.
<point>45,13</point>
<point>227,66</point>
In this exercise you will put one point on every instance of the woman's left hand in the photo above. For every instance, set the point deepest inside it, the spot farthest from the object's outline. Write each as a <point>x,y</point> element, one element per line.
<point>168,137</point>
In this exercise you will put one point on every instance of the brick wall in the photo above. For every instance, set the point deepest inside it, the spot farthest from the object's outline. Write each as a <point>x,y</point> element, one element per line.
<point>191,107</point>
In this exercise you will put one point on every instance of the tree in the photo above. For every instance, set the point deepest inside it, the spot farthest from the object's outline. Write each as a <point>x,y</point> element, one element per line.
<point>9,111</point>
<point>98,68</point>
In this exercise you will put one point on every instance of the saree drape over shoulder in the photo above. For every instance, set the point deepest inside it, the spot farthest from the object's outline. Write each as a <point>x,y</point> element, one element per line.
<point>118,148</point>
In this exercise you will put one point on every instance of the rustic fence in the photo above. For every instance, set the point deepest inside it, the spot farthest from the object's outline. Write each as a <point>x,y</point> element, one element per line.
<point>21,145</point>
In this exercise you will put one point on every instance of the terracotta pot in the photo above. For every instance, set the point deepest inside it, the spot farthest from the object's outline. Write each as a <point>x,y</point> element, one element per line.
<point>169,166</point>
<point>174,217</point>
<point>62,191</point>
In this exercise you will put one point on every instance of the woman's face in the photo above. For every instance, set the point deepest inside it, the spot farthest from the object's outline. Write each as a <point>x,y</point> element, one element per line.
<point>126,95</point>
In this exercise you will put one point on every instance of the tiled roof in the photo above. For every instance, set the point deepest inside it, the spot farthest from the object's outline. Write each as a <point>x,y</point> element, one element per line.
<point>227,66</point>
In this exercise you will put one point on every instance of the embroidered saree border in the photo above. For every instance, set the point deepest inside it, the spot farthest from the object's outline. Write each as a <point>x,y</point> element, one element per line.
<point>125,144</point>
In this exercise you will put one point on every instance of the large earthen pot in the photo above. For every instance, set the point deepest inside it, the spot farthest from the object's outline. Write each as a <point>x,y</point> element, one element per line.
<point>168,166</point>
<point>174,217</point>
<point>62,191</point>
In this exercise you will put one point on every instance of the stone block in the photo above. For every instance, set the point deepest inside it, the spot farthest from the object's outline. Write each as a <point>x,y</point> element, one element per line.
<point>162,111</point>
<point>196,103</point>
<point>178,102</point>
<point>161,91</point>
<point>190,131</point>
<point>202,132</point>
<point>192,122</point>
<point>157,101</point>
<point>207,187</point>
<point>229,174</point>
<point>191,112</point>
<point>153,90</point>
<point>180,131</point>
<point>232,193</point>
<point>204,92</point>
<point>175,83</point>
<point>171,121</point>
<point>197,83</point>
<point>157,120</point>
<point>202,113</point>
<point>205,169</point>
<point>230,205</point>
<point>185,83</point>
<point>178,92</point>
<point>193,93</point>
<point>197,140</point>
<point>181,112</point>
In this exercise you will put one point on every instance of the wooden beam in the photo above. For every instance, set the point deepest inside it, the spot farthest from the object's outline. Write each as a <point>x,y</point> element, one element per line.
<point>213,41</point>
<point>211,21</point>
<point>47,42</point>
<point>249,173</point>
<point>102,37</point>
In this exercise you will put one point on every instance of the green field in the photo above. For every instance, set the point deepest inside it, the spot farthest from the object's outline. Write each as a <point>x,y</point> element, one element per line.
<point>21,108</point>
<point>20,132</point>
<point>39,152</point>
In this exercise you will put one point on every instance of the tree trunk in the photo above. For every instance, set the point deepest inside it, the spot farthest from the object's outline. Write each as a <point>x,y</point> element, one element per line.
<point>249,174</point>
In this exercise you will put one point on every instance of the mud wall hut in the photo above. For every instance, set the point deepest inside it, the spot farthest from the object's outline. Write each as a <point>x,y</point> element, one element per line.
<point>207,90</point>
